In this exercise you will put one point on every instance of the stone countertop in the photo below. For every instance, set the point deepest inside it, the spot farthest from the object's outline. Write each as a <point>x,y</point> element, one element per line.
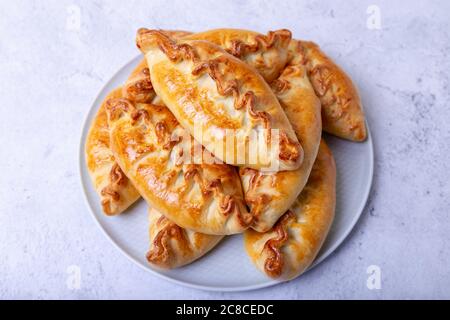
<point>54,59</point>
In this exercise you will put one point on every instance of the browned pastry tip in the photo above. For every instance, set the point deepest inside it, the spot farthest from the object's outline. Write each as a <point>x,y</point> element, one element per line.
<point>172,246</point>
<point>138,87</point>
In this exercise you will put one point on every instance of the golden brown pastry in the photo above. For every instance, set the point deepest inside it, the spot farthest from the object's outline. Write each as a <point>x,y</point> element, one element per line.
<point>114,188</point>
<point>138,86</point>
<point>172,246</point>
<point>342,112</point>
<point>290,247</point>
<point>211,93</point>
<point>268,54</point>
<point>270,195</point>
<point>159,157</point>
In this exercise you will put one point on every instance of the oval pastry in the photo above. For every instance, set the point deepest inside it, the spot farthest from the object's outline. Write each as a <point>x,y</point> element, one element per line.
<point>161,160</point>
<point>115,191</point>
<point>269,195</point>
<point>225,104</point>
<point>342,112</point>
<point>290,247</point>
<point>172,246</point>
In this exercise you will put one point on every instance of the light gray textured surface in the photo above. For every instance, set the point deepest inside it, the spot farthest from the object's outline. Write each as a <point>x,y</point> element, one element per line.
<point>50,72</point>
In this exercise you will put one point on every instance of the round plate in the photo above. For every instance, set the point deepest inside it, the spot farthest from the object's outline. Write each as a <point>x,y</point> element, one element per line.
<point>227,267</point>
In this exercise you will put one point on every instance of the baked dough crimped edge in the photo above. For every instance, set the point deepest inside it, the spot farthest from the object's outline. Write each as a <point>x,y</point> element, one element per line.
<point>342,111</point>
<point>116,192</point>
<point>210,92</point>
<point>172,246</point>
<point>290,247</point>
<point>157,155</point>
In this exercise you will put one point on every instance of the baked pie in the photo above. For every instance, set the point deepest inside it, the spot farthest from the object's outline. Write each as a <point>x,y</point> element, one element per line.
<point>223,102</point>
<point>171,246</point>
<point>158,156</point>
<point>182,133</point>
<point>268,54</point>
<point>270,195</point>
<point>115,190</point>
<point>342,112</point>
<point>289,248</point>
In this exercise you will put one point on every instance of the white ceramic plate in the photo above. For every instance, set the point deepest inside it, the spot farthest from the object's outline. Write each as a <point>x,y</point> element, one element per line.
<point>227,267</point>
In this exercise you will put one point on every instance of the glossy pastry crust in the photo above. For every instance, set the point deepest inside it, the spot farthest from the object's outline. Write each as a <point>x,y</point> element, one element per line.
<point>115,190</point>
<point>210,90</point>
<point>138,87</point>
<point>342,112</point>
<point>113,187</point>
<point>270,195</point>
<point>290,247</point>
<point>172,246</point>
<point>157,155</point>
<point>268,53</point>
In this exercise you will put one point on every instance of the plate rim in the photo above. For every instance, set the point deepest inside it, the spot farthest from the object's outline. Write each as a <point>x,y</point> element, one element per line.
<point>83,166</point>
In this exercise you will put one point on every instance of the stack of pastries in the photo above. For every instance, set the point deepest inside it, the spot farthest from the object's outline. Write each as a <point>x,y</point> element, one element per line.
<point>185,97</point>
